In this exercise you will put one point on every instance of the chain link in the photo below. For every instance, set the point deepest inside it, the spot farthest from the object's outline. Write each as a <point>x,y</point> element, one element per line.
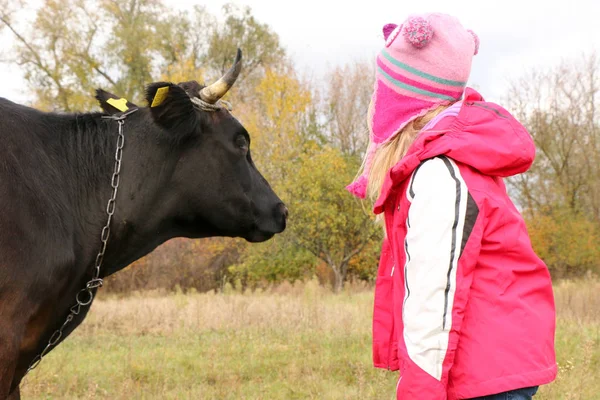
<point>85,296</point>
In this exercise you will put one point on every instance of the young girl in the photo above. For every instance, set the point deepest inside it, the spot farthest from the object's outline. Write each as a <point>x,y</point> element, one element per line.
<point>463,306</point>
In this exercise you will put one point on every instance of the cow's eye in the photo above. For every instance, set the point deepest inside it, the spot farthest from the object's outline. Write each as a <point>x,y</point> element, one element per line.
<point>242,143</point>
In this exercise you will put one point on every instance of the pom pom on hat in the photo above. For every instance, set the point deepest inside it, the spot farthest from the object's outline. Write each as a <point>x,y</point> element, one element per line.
<point>417,31</point>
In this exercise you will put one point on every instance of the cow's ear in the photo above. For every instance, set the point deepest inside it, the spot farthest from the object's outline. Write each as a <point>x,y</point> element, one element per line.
<point>171,107</point>
<point>112,104</point>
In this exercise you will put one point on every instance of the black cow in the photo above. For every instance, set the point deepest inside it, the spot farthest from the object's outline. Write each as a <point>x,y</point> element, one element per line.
<point>186,172</point>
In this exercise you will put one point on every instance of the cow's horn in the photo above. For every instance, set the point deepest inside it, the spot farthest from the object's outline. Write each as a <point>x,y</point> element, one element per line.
<point>212,93</point>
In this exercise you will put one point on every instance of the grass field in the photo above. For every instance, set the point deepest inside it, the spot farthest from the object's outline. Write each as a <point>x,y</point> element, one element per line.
<point>290,343</point>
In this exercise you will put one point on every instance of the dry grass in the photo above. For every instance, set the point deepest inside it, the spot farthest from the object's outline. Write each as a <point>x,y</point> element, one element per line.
<point>578,301</point>
<point>290,343</point>
<point>577,341</point>
<point>305,308</point>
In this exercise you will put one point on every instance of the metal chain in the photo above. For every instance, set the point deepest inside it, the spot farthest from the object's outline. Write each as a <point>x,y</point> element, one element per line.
<point>85,296</point>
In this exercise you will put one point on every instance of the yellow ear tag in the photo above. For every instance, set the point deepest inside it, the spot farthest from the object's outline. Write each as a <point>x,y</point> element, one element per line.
<point>160,96</point>
<point>119,104</point>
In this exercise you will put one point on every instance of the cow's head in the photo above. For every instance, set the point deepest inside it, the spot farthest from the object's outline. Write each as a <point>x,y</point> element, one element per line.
<point>220,192</point>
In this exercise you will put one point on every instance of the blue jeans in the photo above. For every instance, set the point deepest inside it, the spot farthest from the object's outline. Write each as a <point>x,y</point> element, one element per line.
<point>518,394</point>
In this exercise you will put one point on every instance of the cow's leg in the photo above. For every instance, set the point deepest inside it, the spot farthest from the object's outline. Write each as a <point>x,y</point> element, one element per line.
<point>11,336</point>
<point>15,395</point>
<point>9,353</point>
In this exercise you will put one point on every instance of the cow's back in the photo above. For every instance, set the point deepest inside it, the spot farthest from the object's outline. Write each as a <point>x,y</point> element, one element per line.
<point>33,200</point>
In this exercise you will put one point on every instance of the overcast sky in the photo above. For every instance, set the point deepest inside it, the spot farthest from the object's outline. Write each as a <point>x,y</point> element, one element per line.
<point>515,35</point>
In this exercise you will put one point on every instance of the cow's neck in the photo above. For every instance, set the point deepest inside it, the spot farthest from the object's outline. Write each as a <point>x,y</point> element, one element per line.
<point>139,224</point>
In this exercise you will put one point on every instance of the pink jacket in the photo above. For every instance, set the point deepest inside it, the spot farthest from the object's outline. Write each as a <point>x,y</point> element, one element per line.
<point>463,306</point>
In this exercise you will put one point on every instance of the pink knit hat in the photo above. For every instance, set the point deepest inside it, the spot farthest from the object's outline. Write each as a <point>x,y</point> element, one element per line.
<point>425,63</point>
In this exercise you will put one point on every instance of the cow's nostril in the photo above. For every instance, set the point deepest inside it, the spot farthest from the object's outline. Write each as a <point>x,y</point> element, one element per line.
<point>282,211</point>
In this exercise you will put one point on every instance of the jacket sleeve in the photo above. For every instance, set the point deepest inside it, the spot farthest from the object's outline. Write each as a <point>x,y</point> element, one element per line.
<point>442,244</point>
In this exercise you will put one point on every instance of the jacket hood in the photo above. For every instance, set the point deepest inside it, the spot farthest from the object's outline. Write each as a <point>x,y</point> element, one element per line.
<point>481,134</point>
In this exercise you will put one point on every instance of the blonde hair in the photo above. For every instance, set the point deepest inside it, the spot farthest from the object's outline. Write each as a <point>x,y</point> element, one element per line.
<point>392,152</point>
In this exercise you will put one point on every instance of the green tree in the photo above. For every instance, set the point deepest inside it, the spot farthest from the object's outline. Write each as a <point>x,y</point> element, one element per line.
<point>74,47</point>
<point>273,262</point>
<point>326,223</point>
<point>262,48</point>
<point>276,120</point>
<point>324,219</point>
